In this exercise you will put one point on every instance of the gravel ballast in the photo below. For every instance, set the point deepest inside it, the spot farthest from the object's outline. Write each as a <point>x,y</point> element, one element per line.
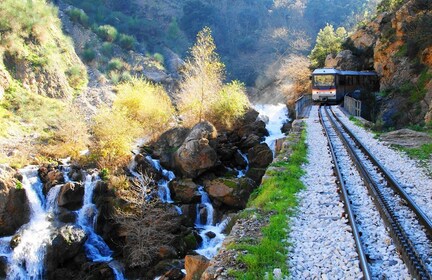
<point>322,246</point>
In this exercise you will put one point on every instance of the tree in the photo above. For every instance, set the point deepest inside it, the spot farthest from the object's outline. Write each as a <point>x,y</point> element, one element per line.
<point>203,74</point>
<point>328,41</point>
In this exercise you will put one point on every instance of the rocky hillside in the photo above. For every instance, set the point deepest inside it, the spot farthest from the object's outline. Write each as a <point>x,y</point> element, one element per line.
<point>398,45</point>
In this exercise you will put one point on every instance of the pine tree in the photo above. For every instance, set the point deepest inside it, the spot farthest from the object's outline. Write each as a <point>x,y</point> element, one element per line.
<point>328,41</point>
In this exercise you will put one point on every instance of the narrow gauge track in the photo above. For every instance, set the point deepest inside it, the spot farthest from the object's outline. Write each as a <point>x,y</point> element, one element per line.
<point>416,254</point>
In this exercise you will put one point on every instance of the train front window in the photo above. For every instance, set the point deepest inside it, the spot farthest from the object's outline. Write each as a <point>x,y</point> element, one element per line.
<point>324,80</point>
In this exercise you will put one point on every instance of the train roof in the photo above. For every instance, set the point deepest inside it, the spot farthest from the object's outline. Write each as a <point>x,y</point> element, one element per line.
<point>321,71</point>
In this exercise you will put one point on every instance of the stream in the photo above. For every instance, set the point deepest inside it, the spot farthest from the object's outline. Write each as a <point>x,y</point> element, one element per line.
<point>26,260</point>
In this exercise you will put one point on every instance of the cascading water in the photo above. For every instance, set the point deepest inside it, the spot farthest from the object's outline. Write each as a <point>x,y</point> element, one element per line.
<point>96,248</point>
<point>277,115</point>
<point>26,260</point>
<point>242,173</point>
<point>211,234</point>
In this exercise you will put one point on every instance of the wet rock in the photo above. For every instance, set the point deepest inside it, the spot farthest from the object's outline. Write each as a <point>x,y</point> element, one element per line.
<point>15,212</point>
<point>3,267</point>
<point>189,214</point>
<point>76,174</point>
<point>239,160</point>
<point>71,196</point>
<point>15,241</point>
<point>167,144</point>
<point>191,241</point>
<point>286,127</point>
<point>195,155</point>
<point>50,176</point>
<point>210,234</point>
<point>65,246</point>
<point>195,266</point>
<point>66,216</point>
<point>173,274</point>
<point>260,156</point>
<point>256,174</point>
<point>185,191</point>
<point>97,271</point>
<point>145,167</point>
<point>233,193</point>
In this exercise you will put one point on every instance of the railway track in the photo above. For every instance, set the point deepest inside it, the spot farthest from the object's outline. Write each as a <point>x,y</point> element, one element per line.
<point>408,225</point>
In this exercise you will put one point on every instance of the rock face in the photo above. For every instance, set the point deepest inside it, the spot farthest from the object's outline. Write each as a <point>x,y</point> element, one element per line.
<point>233,193</point>
<point>260,156</point>
<point>14,205</point>
<point>344,60</point>
<point>195,266</point>
<point>185,191</point>
<point>71,196</point>
<point>195,155</point>
<point>395,46</point>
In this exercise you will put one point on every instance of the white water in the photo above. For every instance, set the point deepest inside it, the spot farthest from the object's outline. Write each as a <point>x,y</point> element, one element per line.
<point>27,259</point>
<point>274,116</point>
<point>209,246</point>
<point>96,248</point>
<point>163,190</point>
<point>242,173</point>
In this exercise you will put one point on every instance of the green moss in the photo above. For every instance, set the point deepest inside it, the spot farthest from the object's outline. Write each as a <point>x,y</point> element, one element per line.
<point>277,195</point>
<point>230,183</point>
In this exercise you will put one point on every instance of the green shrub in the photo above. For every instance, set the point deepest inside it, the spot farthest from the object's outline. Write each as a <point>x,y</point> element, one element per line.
<point>77,77</point>
<point>107,33</point>
<point>229,104</point>
<point>89,54</point>
<point>78,16</point>
<point>107,49</point>
<point>18,185</point>
<point>159,57</point>
<point>145,103</point>
<point>126,42</point>
<point>115,64</point>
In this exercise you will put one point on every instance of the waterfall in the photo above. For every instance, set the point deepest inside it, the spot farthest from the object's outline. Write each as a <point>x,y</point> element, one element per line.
<point>242,173</point>
<point>276,115</point>
<point>27,259</point>
<point>210,244</point>
<point>96,248</point>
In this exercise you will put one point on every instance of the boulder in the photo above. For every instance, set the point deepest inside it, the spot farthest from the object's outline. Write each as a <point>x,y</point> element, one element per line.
<point>185,191</point>
<point>195,155</point>
<point>260,156</point>
<point>173,274</point>
<point>71,196</point>
<point>15,212</point>
<point>66,216</point>
<point>406,138</point>
<point>189,214</point>
<point>233,193</point>
<point>50,176</point>
<point>195,266</point>
<point>210,234</point>
<point>76,174</point>
<point>249,141</point>
<point>67,243</point>
<point>256,174</point>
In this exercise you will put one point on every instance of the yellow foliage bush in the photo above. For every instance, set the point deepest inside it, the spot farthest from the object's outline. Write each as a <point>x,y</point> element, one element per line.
<point>145,103</point>
<point>229,104</point>
<point>114,133</point>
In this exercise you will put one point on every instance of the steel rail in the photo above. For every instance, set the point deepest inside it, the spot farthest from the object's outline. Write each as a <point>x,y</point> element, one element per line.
<point>347,205</point>
<point>393,183</point>
<point>412,258</point>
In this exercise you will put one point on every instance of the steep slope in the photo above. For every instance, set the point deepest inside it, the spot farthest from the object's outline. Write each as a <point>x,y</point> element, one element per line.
<point>398,45</point>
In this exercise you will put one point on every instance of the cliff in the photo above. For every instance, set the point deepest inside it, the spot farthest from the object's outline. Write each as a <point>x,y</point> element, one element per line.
<point>397,44</point>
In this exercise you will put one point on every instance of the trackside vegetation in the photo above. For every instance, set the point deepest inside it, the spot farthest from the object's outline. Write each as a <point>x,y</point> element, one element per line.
<point>276,196</point>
